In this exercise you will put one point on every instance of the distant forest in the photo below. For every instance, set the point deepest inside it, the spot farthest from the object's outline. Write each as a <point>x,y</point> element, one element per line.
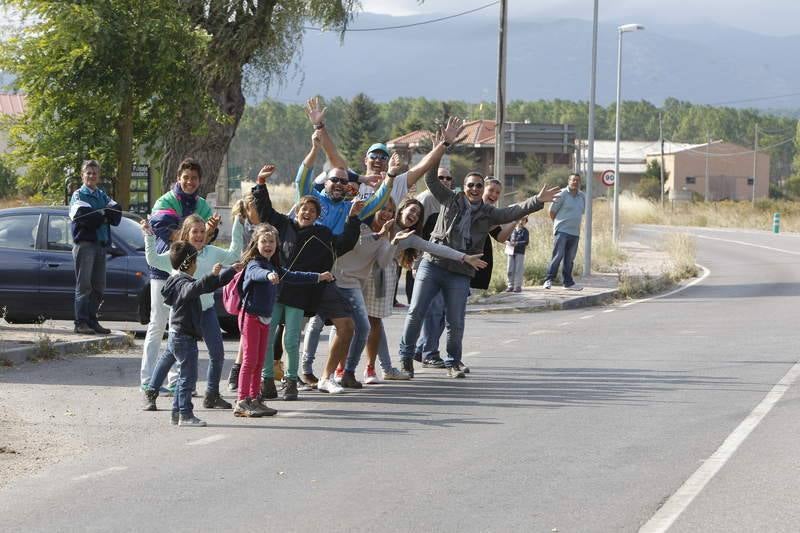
<point>280,133</point>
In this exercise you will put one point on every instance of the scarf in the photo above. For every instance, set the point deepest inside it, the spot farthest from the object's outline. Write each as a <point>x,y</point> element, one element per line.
<point>188,201</point>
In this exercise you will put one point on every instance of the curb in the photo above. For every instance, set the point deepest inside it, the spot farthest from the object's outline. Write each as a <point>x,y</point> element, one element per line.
<point>554,305</point>
<point>28,353</point>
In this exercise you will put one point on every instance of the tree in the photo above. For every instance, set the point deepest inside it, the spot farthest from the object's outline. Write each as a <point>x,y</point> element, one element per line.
<point>261,36</point>
<point>101,77</point>
<point>8,180</point>
<point>649,185</point>
<point>359,129</point>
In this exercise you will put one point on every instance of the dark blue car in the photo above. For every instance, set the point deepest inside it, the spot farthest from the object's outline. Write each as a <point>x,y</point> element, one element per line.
<point>37,272</point>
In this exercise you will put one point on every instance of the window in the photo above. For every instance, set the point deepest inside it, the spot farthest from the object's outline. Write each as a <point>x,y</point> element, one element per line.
<point>561,159</point>
<point>750,181</point>
<point>691,180</point>
<point>129,232</point>
<point>59,233</point>
<point>18,232</point>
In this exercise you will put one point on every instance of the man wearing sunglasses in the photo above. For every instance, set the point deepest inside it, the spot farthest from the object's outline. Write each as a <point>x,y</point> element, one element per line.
<point>463,224</point>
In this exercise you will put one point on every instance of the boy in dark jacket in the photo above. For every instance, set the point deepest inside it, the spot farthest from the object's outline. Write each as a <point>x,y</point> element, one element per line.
<point>182,293</point>
<point>92,212</point>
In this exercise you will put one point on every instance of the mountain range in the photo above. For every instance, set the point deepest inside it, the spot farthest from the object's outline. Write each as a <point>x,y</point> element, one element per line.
<point>702,63</point>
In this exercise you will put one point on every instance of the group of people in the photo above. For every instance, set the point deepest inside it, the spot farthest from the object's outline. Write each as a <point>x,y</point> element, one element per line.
<point>333,259</point>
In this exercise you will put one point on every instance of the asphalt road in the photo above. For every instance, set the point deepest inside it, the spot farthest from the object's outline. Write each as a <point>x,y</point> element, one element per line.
<point>586,420</point>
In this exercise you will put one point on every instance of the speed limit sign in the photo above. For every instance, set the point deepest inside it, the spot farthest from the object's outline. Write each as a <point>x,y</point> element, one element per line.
<point>607,178</point>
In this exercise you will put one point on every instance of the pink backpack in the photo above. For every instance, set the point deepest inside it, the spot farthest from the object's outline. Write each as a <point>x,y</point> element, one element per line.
<point>232,294</point>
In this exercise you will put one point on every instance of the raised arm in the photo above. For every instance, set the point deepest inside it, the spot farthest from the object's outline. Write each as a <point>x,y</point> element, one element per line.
<point>304,182</point>
<point>447,137</point>
<point>316,114</point>
<point>376,202</point>
<point>517,211</point>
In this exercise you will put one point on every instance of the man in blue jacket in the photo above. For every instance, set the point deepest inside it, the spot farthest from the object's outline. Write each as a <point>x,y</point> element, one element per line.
<point>92,213</point>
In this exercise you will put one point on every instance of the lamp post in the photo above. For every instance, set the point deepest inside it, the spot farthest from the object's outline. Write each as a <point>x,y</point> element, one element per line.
<point>589,177</point>
<point>620,30</point>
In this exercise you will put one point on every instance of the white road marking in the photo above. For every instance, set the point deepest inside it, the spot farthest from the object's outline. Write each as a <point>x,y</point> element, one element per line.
<point>470,354</point>
<point>609,310</point>
<point>537,332</point>
<point>207,440</point>
<point>564,324</point>
<point>586,317</point>
<point>678,502</point>
<point>100,473</point>
<point>732,241</point>
<point>706,273</point>
<point>509,341</point>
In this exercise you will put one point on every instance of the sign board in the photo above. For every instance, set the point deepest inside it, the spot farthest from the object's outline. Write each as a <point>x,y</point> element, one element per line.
<point>607,177</point>
<point>140,189</point>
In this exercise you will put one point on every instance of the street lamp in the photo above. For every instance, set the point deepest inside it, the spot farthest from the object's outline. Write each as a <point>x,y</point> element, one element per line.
<point>620,30</point>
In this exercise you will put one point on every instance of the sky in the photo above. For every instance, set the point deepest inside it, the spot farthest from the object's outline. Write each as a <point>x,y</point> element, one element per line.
<point>770,17</point>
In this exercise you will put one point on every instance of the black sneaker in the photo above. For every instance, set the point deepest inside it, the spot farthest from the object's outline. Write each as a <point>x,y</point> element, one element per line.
<point>233,379</point>
<point>268,390</point>
<point>408,367</point>
<point>454,372</point>
<point>150,396</point>
<point>99,329</point>
<point>214,401</point>
<point>418,357</point>
<point>84,329</point>
<point>290,390</point>
<point>464,368</point>
<point>433,362</point>
<point>349,381</point>
<point>176,415</point>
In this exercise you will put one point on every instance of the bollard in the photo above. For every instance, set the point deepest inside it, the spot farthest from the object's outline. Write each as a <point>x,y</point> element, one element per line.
<point>776,223</point>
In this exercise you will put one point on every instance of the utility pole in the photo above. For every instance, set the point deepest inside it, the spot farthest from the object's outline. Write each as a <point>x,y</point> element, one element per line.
<point>755,160</point>
<point>500,112</point>
<point>708,186</point>
<point>661,136</point>
<point>589,176</point>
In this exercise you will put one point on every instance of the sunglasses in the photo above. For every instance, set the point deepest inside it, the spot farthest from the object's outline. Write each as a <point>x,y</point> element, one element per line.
<point>335,180</point>
<point>446,178</point>
<point>474,185</point>
<point>380,156</point>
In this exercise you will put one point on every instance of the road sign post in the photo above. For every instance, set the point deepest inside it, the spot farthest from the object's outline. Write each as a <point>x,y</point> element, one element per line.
<point>608,178</point>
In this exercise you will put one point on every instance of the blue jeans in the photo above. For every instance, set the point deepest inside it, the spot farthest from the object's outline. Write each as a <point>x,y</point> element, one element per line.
<point>212,336</point>
<point>90,280</point>
<point>430,281</point>
<point>361,329</point>
<point>183,349</point>
<point>432,328</point>
<point>565,247</point>
<point>311,342</point>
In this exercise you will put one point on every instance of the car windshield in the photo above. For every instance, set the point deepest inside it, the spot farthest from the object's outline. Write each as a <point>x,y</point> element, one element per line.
<point>129,232</point>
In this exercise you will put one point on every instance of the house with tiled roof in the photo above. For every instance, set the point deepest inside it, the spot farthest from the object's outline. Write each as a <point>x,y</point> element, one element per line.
<point>553,144</point>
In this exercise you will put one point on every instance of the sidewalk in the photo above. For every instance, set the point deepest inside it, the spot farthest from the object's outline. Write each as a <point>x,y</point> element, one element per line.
<point>25,342</point>
<point>598,289</point>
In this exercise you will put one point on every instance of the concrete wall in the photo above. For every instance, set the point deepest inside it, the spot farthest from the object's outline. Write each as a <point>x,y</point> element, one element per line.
<point>729,167</point>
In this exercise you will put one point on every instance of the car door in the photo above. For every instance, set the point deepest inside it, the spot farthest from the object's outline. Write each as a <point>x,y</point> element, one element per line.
<point>57,282</point>
<point>19,265</point>
<point>58,271</point>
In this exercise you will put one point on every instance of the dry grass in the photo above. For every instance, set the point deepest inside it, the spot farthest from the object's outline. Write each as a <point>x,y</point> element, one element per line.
<point>635,210</point>
<point>605,256</point>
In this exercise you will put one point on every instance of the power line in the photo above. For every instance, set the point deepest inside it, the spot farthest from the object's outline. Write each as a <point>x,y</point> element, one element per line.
<point>421,23</point>
<point>760,148</point>
<point>754,99</point>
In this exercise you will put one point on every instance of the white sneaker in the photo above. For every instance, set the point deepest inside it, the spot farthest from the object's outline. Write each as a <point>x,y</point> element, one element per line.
<point>370,377</point>
<point>394,374</point>
<point>329,386</point>
<point>547,284</point>
<point>574,288</point>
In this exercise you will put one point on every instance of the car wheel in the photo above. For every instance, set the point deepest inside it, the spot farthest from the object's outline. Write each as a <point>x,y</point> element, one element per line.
<point>229,324</point>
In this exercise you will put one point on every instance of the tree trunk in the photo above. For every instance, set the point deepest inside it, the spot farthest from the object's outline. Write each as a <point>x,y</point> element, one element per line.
<point>209,143</point>
<point>122,185</point>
